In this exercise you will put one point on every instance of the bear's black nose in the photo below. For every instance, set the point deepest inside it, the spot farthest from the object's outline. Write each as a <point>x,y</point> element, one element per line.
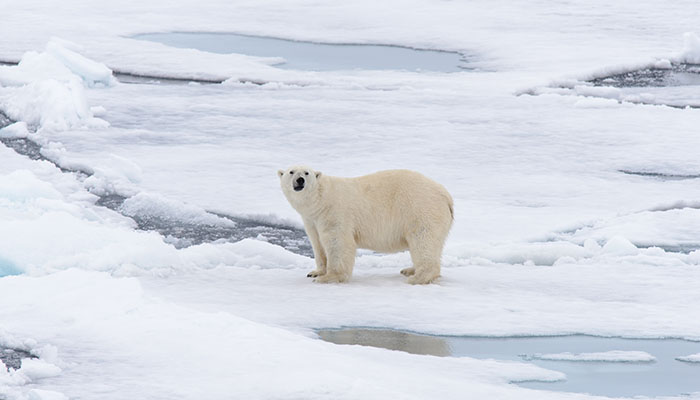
<point>300,181</point>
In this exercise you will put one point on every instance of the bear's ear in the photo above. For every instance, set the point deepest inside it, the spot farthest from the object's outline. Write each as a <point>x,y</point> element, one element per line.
<point>280,173</point>
<point>318,174</point>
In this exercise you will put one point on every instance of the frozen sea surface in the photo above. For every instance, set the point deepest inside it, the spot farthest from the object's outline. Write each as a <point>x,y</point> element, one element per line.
<point>315,56</point>
<point>671,75</point>
<point>576,209</point>
<point>665,376</point>
<point>662,83</point>
<point>177,231</point>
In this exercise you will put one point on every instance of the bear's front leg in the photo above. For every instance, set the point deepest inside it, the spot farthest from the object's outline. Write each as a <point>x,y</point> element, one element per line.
<point>340,250</point>
<point>319,253</point>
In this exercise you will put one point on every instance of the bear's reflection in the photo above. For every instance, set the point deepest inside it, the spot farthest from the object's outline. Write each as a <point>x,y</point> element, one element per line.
<point>389,339</point>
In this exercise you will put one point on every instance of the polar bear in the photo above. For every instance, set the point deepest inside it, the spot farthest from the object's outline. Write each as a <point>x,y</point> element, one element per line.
<point>388,211</point>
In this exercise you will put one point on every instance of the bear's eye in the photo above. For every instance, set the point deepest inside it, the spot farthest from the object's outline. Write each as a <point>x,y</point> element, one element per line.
<point>306,173</point>
<point>291,172</point>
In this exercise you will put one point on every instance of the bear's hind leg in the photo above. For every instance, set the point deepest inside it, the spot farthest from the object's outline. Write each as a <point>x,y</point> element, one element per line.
<point>425,254</point>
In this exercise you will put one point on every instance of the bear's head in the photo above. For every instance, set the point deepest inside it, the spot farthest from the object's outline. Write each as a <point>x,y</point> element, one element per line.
<point>298,183</point>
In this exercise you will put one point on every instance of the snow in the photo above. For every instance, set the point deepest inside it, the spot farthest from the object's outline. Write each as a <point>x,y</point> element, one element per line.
<point>38,394</point>
<point>550,237</point>
<point>620,246</point>
<point>46,89</point>
<point>16,130</point>
<point>35,369</point>
<point>607,356</point>
<point>691,48</point>
<point>693,358</point>
<point>157,205</point>
<point>92,73</point>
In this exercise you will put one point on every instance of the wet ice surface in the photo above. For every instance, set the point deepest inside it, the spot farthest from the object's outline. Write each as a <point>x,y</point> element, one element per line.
<point>183,234</point>
<point>177,232</point>
<point>148,79</point>
<point>676,75</point>
<point>12,358</point>
<point>125,77</point>
<point>664,376</point>
<point>675,86</point>
<point>661,176</point>
<point>316,56</point>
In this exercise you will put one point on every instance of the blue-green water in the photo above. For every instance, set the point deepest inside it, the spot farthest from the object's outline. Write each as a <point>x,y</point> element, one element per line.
<point>663,377</point>
<point>316,56</point>
<point>8,268</point>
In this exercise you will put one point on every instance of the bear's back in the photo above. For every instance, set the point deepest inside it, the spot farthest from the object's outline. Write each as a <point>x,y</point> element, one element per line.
<point>403,194</point>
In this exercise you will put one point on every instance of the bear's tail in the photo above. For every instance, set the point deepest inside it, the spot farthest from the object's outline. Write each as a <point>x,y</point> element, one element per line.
<point>451,206</point>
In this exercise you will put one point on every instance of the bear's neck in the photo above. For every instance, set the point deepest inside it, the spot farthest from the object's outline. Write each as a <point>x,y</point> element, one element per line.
<point>310,205</point>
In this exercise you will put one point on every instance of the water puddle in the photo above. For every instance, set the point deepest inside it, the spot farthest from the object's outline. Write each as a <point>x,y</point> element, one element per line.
<point>676,75</point>
<point>601,366</point>
<point>676,86</point>
<point>12,358</point>
<point>313,56</point>
<point>673,85</point>
<point>176,232</point>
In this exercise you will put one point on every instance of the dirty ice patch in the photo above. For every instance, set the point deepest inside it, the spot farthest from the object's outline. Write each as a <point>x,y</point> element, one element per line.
<point>606,356</point>
<point>47,89</point>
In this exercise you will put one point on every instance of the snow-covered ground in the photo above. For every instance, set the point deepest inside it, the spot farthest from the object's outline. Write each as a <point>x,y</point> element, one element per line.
<point>693,358</point>
<point>550,236</point>
<point>606,356</point>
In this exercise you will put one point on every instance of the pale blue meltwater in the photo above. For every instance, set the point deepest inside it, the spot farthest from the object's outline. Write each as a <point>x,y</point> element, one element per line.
<point>312,56</point>
<point>8,268</point>
<point>662,377</point>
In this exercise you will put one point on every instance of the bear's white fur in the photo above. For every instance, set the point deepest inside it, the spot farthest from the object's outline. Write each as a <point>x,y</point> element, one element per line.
<point>388,211</point>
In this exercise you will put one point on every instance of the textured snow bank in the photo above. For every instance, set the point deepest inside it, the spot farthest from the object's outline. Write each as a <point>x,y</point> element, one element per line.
<point>92,73</point>
<point>33,370</point>
<point>47,89</point>
<point>150,204</point>
<point>607,356</point>
<point>13,131</point>
<point>691,48</point>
